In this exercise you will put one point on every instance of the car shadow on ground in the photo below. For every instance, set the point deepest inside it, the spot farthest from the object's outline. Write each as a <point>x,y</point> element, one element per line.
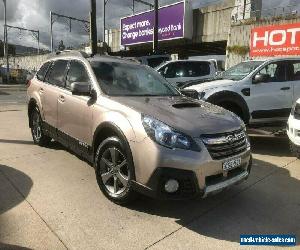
<point>52,145</point>
<point>12,247</point>
<point>267,206</point>
<point>273,146</point>
<point>14,188</point>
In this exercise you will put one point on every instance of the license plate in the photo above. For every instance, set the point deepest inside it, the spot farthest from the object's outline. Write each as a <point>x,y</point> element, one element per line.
<point>227,165</point>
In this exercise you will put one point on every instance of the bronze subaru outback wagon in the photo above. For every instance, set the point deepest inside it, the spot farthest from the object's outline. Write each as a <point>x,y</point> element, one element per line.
<point>140,133</point>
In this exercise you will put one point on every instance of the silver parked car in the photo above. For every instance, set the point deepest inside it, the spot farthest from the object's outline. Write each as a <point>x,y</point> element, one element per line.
<point>140,133</point>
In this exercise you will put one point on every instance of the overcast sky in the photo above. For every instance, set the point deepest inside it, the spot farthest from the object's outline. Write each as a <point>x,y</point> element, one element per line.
<point>34,14</point>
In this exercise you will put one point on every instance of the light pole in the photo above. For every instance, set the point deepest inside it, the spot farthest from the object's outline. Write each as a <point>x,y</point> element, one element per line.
<point>93,28</point>
<point>155,33</point>
<point>104,24</point>
<point>5,42</point>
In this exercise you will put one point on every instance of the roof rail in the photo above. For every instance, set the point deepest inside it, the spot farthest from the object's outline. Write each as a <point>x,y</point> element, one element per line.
<point>71,53</point>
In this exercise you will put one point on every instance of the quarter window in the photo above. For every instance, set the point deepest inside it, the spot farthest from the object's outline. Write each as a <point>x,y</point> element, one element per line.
<point>56,75</point>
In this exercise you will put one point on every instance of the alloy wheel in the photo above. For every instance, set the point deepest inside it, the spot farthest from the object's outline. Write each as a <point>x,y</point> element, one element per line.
<point>36,126</point>
<point>114,171</point>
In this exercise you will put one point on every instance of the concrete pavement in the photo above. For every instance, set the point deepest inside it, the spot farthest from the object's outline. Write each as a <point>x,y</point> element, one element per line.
<point>49,199</point>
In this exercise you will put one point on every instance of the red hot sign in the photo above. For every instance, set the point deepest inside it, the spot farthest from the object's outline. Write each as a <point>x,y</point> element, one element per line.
<point>275,40</point>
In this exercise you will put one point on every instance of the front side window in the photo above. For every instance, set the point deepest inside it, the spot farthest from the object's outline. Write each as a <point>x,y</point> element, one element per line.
<point>56,75</point>
<point>77,73</point>
<point>43,71</point>
<point>122,79</point>
<point>275,72</point>
<point>240,71</point>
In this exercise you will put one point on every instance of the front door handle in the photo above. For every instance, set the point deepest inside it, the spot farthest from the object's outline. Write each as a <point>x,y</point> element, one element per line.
<point>61,98</point>
<point>285,88</point>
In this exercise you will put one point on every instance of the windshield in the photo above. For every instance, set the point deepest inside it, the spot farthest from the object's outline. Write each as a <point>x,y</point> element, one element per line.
<point>123,79</point>
<point>240,71</point>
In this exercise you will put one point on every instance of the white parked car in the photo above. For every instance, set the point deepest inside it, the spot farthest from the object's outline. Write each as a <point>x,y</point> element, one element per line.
<point>261,92</point>
<point>182,71</point>
<point>293,129</point>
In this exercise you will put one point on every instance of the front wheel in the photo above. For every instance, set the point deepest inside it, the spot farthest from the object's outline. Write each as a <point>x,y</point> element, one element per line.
<point>38,135</point>
<point>115,171</point>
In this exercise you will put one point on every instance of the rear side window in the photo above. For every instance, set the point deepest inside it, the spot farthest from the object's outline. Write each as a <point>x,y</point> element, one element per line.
<point>196,69</point>
<point>294,68</point>
<point>56,75</point>
<point>43,71</point>
<point>77,73</point>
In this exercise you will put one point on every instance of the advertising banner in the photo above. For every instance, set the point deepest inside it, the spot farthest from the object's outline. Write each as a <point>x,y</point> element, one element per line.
<point>277,40</point>
<point>139,28</point>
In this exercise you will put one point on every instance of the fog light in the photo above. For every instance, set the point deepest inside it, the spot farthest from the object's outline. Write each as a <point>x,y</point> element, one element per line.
<point>171,186</point>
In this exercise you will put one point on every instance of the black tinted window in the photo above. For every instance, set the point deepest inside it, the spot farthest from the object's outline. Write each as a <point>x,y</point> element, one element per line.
<point>294,71</point>
<point>276,72</point>
<point>56,75</point>
<point>77,73</point>
<point>196,69</point>
<point>154,62</point>
<point>43,71</point>
<point>185,69</point>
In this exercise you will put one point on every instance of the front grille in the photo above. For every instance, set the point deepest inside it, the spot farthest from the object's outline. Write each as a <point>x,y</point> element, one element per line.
<point>222,146</point>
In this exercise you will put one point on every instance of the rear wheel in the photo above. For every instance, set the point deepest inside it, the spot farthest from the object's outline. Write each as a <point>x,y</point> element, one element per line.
<point>115,170</point>
<point>295,150</point>
<point>38,135</point>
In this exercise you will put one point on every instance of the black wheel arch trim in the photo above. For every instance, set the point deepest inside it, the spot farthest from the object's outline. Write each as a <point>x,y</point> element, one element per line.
<point>233,97</point>
<point>31,105</point>
<point>119,133</point>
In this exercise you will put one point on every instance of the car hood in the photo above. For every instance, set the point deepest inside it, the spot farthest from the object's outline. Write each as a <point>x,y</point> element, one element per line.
<point>211,84</point>
<point>184,114</point>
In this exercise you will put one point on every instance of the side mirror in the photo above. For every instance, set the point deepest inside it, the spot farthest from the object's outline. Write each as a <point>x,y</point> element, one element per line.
<point>81,88</point>
<point>259,78</point>
<point>190,93</point>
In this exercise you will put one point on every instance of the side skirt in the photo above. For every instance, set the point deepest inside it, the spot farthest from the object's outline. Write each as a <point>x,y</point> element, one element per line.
<point>78,147</point>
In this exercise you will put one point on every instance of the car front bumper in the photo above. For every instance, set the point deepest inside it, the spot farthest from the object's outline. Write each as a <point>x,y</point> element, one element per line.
<point>197,173</point>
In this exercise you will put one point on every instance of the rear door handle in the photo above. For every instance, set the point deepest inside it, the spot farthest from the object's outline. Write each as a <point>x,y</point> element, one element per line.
<point>41,91</point>
<point>285,88</point>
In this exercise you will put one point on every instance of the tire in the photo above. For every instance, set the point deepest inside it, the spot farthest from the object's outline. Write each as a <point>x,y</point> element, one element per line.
<point>115,170</point>
<point>37,133</point>
<point>295,150</point>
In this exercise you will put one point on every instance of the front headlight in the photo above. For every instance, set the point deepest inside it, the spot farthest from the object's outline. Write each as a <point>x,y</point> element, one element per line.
<point>167,136</point>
